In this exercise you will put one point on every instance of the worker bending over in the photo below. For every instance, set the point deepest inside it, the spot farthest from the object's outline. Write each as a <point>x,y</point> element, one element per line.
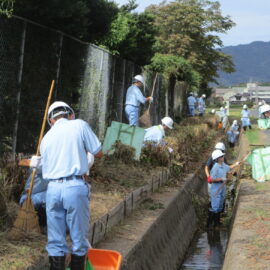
<point>157,133</point>
<point>64,162</point>
<point>233,133</point>
<point>218,176</point>
<point>245,118</point>
<point>134,99</point>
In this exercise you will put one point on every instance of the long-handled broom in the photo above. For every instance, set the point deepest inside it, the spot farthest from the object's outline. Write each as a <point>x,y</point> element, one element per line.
<point>27,219</point>
<point>145,119</point>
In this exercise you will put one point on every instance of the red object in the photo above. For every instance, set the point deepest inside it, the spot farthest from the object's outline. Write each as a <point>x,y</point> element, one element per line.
<point>209,180</point>
<point>102,259</point>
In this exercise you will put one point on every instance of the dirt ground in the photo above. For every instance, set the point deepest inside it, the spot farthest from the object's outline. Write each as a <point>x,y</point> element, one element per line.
<point>249,242</point>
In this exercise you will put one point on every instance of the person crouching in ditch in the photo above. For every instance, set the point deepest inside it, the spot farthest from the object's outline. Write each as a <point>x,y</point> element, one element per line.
<point>218,188</point>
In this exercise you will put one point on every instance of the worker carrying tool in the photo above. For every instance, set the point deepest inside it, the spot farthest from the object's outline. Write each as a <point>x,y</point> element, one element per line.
<point>245,118</point>
<point>157,133</point>
<point>134,98</point>
<point>191,101</point>
<point>201,105</point>
<point>218,176</point>
<point>64,162</point>
<point>210,163</point>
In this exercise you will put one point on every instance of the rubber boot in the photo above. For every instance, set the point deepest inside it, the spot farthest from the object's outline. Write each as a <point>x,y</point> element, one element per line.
<point>77,262</point>
<point>57,262</point>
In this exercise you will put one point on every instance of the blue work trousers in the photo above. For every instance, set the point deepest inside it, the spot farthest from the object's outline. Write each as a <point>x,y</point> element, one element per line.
<point>217,197</point>
<point>191,110</point>
<point>132,114</point>
<point>67,207</point>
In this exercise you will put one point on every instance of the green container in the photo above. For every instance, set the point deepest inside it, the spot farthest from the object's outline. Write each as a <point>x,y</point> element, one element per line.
<point>264,123</point>
<point>126,134</point>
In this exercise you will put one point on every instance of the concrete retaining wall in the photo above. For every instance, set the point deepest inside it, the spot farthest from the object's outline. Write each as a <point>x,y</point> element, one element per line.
<point>164,244</point>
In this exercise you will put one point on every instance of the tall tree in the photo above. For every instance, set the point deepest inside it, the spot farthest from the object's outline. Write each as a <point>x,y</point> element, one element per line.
<point>188,28</point>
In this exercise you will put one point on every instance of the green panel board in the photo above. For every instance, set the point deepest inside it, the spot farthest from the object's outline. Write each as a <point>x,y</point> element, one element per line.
<point>129,135</point>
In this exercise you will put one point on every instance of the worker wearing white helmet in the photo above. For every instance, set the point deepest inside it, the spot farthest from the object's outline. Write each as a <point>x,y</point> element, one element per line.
<point>218,176</point>
<point>156,134</point>
<point>245,118</point>
<point>201,105</point>
<point>265,111</point>
<point>134,99</point>
<point>64,163</point>
<point>233,133</point>
<point>191,102</point>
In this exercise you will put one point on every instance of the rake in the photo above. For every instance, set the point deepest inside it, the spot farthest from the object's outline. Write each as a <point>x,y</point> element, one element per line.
<point>145,119</point>
<point>27,219</point>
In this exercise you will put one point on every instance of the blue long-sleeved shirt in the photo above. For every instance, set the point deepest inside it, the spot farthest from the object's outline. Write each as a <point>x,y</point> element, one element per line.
<point>134,96</point>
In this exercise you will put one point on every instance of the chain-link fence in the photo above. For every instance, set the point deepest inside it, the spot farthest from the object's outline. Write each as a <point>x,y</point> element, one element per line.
<point>87,77</point>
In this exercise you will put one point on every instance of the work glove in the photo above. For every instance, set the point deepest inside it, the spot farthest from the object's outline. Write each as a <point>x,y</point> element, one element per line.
<point>209,180</point>
<point>35,162</point>
<point>90,160</point>
<point>237,163</point>
<point>151,99</point>
<point>170,149</point>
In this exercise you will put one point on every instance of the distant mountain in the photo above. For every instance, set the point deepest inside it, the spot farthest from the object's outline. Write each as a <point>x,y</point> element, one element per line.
<point>252,63</point>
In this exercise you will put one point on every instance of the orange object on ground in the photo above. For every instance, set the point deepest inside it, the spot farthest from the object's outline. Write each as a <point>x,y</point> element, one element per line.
<point>103,259</point>
<point>219,125</point>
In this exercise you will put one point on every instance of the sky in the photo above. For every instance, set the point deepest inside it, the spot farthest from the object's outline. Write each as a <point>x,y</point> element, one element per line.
<point>252,18</point>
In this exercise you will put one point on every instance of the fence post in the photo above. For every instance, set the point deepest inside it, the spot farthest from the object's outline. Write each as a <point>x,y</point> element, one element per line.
<point>19,87</point>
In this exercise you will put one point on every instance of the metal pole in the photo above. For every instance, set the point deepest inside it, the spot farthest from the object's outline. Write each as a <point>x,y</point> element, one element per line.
<point>19,87</point>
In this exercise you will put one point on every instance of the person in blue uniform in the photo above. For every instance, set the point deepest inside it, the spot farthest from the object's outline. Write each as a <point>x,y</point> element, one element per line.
<point>201,105</point>
<point>156,134</point>
<point>134,99</point>
<point>191,101</point>
<point>64,162</point>
<point>245,118</point>
<point>218,176</point>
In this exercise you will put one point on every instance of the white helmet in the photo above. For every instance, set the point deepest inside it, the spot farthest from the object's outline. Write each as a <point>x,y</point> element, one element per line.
<point>245,106</point>
<point>167,121</point>
<point>213,111</point>
<point>217,154</point>
<point>220,146</point>
<point>57,104</point>
<point>139,78</point>
<point>260,103</point>
<point>265,108</point>
<point>191,93</point>
<point>221,109</point>
<point>234,122</point>
<point>203,96</point>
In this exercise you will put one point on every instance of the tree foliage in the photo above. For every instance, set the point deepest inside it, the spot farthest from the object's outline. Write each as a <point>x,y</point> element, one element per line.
<point>85,19</point>
<point>188,29</point>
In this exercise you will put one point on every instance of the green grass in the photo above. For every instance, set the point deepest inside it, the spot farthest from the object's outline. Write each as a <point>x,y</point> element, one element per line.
<point>253,136</point>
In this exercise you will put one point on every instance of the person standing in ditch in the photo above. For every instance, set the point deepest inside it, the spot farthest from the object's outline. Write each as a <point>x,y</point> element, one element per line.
<point>245,118</point>
<point>201,105</point>
<point>192,102</point>
<point>218,176</point>
<point>134,99</point>
<point>64,162</point>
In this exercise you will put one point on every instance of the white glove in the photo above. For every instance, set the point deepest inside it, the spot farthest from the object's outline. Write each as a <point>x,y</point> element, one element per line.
<point>91,160</point>
<point>35,161</point>
<point>237,163</point>
<point>170,149</point>
<point>151,99</point>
